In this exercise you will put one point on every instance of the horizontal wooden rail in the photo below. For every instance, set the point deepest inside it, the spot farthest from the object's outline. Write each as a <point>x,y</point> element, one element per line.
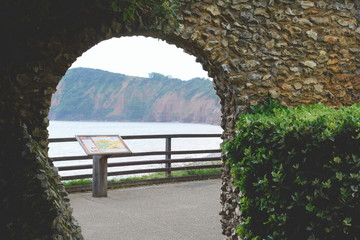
<point>135,163</point>
<point>131,137</point>
<point>138,154</point>
<point>162,169</point>
<point>141,171</point>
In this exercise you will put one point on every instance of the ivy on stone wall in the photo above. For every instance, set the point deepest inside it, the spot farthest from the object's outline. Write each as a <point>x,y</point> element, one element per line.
<point>164,12</point>
<point>298,171</point>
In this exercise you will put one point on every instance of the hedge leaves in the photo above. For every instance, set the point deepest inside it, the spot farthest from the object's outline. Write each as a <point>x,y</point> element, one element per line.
<point>298,171</point>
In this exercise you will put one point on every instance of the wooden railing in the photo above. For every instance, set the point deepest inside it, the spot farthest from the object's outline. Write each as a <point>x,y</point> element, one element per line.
<point>167,160</point>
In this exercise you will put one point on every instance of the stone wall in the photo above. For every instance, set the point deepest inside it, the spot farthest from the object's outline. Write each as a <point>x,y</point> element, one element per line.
<point>298,52</point>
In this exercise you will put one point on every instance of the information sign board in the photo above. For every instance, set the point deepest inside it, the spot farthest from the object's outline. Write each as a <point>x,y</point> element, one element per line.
<point>102,145</point>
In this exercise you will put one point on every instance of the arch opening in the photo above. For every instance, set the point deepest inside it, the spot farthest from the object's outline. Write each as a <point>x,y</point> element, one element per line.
<point>178,128</point>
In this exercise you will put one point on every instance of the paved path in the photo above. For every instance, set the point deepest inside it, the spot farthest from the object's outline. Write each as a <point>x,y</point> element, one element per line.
<point>181,211</point>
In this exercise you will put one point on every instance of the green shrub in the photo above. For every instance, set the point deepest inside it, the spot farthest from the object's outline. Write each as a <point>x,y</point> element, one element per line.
<point>298,171</point>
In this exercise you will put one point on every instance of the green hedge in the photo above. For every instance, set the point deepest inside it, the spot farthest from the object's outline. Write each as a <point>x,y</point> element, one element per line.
<point>298,171</point>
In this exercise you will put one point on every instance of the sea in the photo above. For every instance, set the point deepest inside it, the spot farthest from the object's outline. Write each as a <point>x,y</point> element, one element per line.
<point>65,129</point>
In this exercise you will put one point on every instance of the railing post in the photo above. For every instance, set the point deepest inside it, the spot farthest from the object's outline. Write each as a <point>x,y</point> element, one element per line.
<point>99,176</point>
<point>168,155</point>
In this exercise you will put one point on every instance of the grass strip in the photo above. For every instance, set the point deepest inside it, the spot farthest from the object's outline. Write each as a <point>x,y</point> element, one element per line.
<point>191,172</point>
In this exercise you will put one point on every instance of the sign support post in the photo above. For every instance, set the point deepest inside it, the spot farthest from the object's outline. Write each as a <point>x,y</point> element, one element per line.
<point>99,188</point>
<point>100,148</point>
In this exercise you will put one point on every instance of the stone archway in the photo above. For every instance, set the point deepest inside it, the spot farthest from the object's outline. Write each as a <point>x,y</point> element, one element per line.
<point>298,52</point>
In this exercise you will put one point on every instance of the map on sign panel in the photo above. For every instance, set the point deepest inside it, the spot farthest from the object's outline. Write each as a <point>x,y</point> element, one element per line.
<point>103,145</point>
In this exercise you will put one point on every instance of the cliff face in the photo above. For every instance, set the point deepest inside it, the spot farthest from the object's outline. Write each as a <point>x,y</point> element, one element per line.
<point>89,94</point>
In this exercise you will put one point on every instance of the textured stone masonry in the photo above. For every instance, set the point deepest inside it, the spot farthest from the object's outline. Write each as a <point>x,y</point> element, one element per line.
<point>297,52</point>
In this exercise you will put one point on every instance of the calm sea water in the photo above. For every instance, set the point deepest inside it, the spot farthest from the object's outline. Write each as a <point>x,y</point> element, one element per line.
<point>60,129</point>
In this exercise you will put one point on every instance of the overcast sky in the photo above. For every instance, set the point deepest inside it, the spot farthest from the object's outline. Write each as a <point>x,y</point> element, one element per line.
<point>139,56</point>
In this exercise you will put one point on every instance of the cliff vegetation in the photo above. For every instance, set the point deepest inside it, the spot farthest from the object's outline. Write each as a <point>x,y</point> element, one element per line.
<point>97,95</point>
